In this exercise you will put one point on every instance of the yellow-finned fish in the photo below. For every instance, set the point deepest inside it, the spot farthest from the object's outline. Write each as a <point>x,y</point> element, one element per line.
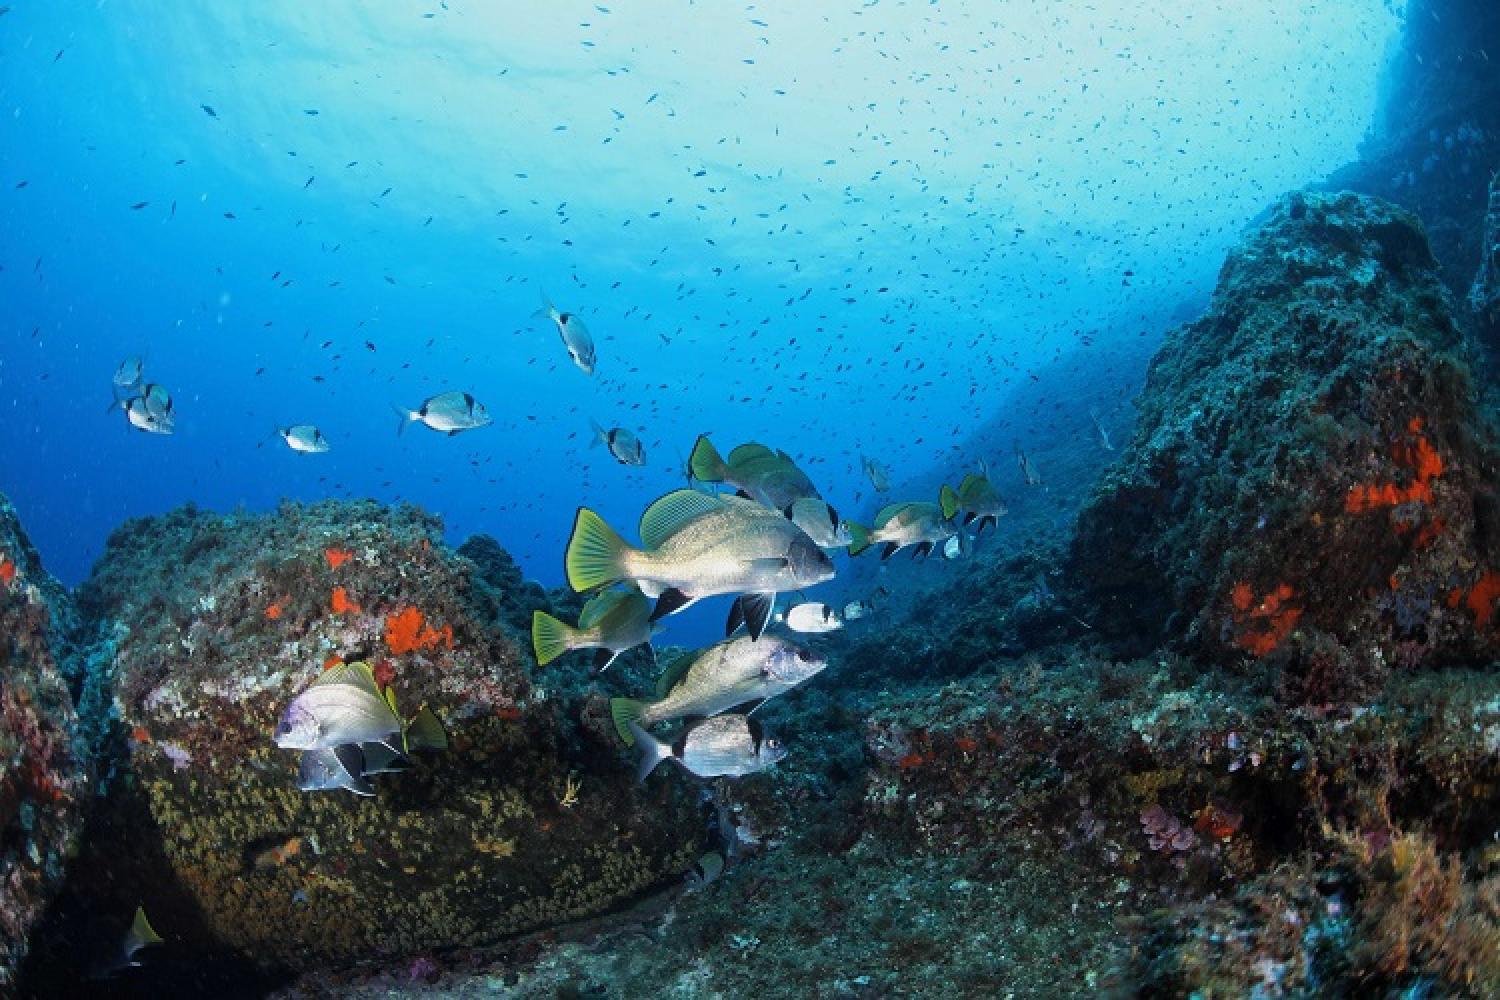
<point>770,477</point>
<point>898,525</point>
<point>611,622</point>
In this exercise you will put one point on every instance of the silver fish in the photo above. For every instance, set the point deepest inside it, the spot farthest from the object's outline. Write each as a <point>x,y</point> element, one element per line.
<point>130,374</point>
<point>611,622</point>
<point>726,745</point>
<point>855,610</point>
<point>759,473</point>
<point>695,546</point>
<point>725,675</point>
<point>622,444</point>
<point>821,522</point>
<point>575,336</point>
<point>1104,441</point>
<point>812,617</point>
<point>343,705</point>
<point>304,438</point>
<point>332,768</point>
<point>1029,475</point>
<point>879,475</point>
<point>449,413</point>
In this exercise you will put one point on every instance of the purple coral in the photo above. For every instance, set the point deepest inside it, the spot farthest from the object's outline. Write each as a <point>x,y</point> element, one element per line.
<point>1165,832</point>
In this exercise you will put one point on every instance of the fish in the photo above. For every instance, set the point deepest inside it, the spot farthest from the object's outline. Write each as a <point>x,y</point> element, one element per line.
<point>697,545</point>
<point>138,937</point>
<point>622,444</point>
<point>332,768</point>
<point>958,546</point>
<point>757,472</point>
<point>878,474</point>
<point>151,410</point>
<point>1104,441</point>
<point>724,746</point>
<point>898,525</point>
<point>130,373</point>
<point>448,412</point>
<point>1029,475</point>
<point>821,522</point>
<point>304,438</point>
<point>812,617</point>
<point>342,705</point>
<point>575,336</point>
<point>704,871</point>
<point>611,622</point>
<point>977,500</point>
<point>855,610</point>
<point>726,675</point>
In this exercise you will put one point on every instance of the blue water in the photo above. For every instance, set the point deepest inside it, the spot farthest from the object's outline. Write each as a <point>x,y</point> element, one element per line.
<point>870,227</point>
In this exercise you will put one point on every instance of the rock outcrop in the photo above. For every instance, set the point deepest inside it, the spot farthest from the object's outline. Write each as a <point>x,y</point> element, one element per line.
<point>210,624</point>
<point>44,778</point>
<point>1309,482</point>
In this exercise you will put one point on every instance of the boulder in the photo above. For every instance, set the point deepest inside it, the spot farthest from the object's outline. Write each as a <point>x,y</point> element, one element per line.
<point>44,778</point>
<point>211,624</point>
<point>1309,482</point>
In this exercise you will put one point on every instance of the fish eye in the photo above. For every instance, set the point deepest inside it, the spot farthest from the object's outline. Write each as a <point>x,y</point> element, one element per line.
<point>804,656</point>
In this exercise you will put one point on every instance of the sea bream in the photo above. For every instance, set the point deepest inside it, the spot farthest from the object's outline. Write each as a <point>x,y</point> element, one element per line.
<point>811,617</point>
<point>130,374</point>
<point>621,443</point>
<point>151,410</point>
<point>342,705</point>
<point>757,472</point>
<point>448,413</point>
<point>575,336</point>
<point>696,545</point>
<point>898,525</point>
<point>879,475</point>
<point>304,439</point>
<point>332,768</point>
<point>821,522</point>
<point>724,676</point>
<point>724,746</point>
<point>611,622</point>
<point>976,499</point>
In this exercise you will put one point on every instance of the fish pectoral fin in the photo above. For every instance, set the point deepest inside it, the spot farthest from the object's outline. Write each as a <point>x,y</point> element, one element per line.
<point>922,550</point>
<point>670,602</point>
<point>352,759</point>
<point>743,495</point>
<point>890,550</point>
<point>754,611</point>
<point>602,659</point>
<point>751,707</point>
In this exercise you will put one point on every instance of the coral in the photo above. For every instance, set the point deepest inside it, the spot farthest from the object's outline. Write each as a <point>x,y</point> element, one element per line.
<point>250,877</point>
<point>45,778</point>
<point>1306,450</point>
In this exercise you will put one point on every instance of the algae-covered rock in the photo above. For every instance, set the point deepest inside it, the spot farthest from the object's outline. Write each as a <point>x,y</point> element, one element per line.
<point>1484,294</point>
<point>44,779</point>
<point>213,623</point>
<point>1309,479</point>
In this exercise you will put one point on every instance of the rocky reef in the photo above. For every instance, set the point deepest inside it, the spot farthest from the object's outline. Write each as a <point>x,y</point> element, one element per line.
<point>1310,482</point>
<point>208,625</point>
<point>44,778</point>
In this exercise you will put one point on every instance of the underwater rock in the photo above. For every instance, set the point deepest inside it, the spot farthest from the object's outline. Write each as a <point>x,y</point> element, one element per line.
<point>44,778</point>
<point>1484,296</point>
<point>1309,482</point>
<point>213,624</point>
<point>515,597</point>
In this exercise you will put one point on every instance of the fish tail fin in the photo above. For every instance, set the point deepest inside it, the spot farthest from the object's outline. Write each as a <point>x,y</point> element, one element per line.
<point>651,752</point>
<point>627,713</point>
<point>705,462</point>
<point>550,637</point>
<point>601,436</point>
<point>407,416</point>
<point>141,929</point>
<point>859,538</point>
<point>595,553</point>
<point>547,308</point>
<point>948,500</point>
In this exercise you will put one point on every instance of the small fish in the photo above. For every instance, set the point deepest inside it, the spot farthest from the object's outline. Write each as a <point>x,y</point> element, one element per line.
<point>704,871</point>
<point>138,937</point>
<point>879,475</point>
<point>1029,475</point>
<point>957,547</point>
<point>343,705</point>
<point>304,438</point>
<point>151,410</point>
<point>622,444</point>
<point>898,525</point>
<point>757,472</point>
<point>1104,441</point>
<point>696,545</point>
<point>726,745</point>
<point>130,374</point>
<point>821,522</point>
<point>724,676</point>
<point>611,622</point>
<point>812,617</point>
<point>448,413</point>
<point>855,610</point>
<point>332,768</point>
<point>575,336</point>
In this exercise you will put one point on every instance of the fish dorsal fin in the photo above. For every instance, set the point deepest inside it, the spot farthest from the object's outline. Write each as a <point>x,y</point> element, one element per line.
<point>970,483</point>
<point>889,512</point>
<point>357,674</point>
<point>676,670</point>
<point>141,929</point>
<point>600,605</point>
<point>666,516</point>
<point>750,451</point>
